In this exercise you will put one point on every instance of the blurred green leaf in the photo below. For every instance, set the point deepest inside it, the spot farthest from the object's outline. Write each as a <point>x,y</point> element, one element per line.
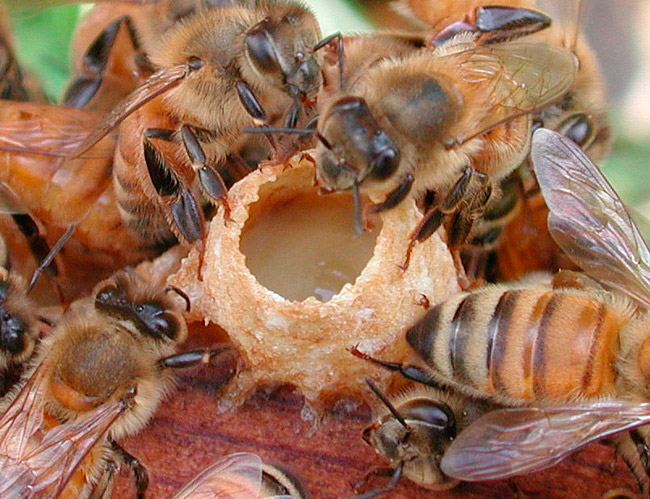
<point>43,41</point>
<point>628,169</point>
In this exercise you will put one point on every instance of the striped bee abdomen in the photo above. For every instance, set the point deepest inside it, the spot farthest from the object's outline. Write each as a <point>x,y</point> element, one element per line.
<point>522,344</point>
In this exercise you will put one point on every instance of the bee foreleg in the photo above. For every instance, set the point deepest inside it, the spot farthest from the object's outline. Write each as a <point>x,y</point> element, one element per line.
<point>253,107</point>
<point>211,182</point>
<point>95,60</point>
<point>395,475</point>
<point>395,197</point>
<point>140,475</point>
<point>196,357</point>
<point>409,371</point>
<point>293,115</point>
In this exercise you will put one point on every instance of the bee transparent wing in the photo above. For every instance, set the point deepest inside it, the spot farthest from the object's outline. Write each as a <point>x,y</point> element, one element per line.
<point>509,442</point>
<point>47,130</point>
<point>587,218</point>
<point>9,201</point>
<point>515,79</point>
<point>23,417</point>
<point>56,457</point>
<point>236,476</point>
<point>155,85</point>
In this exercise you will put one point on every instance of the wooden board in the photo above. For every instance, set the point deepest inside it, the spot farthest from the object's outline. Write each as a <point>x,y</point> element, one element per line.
<point>189,432</point>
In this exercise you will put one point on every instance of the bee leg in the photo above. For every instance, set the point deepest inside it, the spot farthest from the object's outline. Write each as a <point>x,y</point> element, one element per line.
<point>239,166</point>
<point>395,197</point>
<point>211,182</point>
<point>186,214</point>
<point>411,372</point>
<point>496,24</point>
<point>188,217</point>
<point>395,475</point>
<point>433,218</point>
<point>572,279</point>
<point>196,357</point>
<point>95,60</point>
<point>632,448</point>
<point>103,488</point>
<point>506,23</point>
<point>254,109</point>
<point>140,475</point>
<point>14,89</point>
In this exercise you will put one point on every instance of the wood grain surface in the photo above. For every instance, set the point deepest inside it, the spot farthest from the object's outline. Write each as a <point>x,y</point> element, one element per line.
<point>189,432</point>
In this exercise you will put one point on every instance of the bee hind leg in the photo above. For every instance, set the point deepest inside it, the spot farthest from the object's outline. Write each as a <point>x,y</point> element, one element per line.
<point>496,24</point>
<point>95,61</point>
<point>188,219</point>
<point>140,474</point>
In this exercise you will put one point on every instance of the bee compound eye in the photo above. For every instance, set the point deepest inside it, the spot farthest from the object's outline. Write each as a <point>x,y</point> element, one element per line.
<point>157,321</point>
<point>106,295</point>
<point>385,163</point>
<point>578,128</point>
<point>260,50</point>
<point>12,334</point>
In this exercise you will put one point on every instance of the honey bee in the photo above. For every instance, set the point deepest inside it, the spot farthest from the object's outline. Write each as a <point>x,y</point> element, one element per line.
<point>19,318</point>
<point>242,475</point>
<point>106,64</point>
<point>219,67</point>
<point>99,376</point>
<point>452,119</point>
<point>580,343</point>
<point>60,192</point>
<point>413,431</point>
<point>505,240</point>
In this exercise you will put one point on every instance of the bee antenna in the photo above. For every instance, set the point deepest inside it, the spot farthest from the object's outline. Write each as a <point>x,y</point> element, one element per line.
<point>325,41</point>
<point>180,293</point>
<point>267,129</point>
<point>50,256</point>
<point>324,141</point>
<point>387,402</point>
<point>358,216</point>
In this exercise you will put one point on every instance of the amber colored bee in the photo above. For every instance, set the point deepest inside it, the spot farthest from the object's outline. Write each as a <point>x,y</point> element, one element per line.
<point>19,317</point>
<point>242,475</point>
<point>18,320</point>
<point>581,342</point>
<point>219,67</point>
<point>413,431</point>
<point>59,191</point>
<point>99,376</point>
<point>452,119</point>
<point>510,238</point>
<point>105,64</point>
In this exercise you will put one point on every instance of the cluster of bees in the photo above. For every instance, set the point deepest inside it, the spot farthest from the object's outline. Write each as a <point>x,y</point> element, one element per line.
<point>477,112</point>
